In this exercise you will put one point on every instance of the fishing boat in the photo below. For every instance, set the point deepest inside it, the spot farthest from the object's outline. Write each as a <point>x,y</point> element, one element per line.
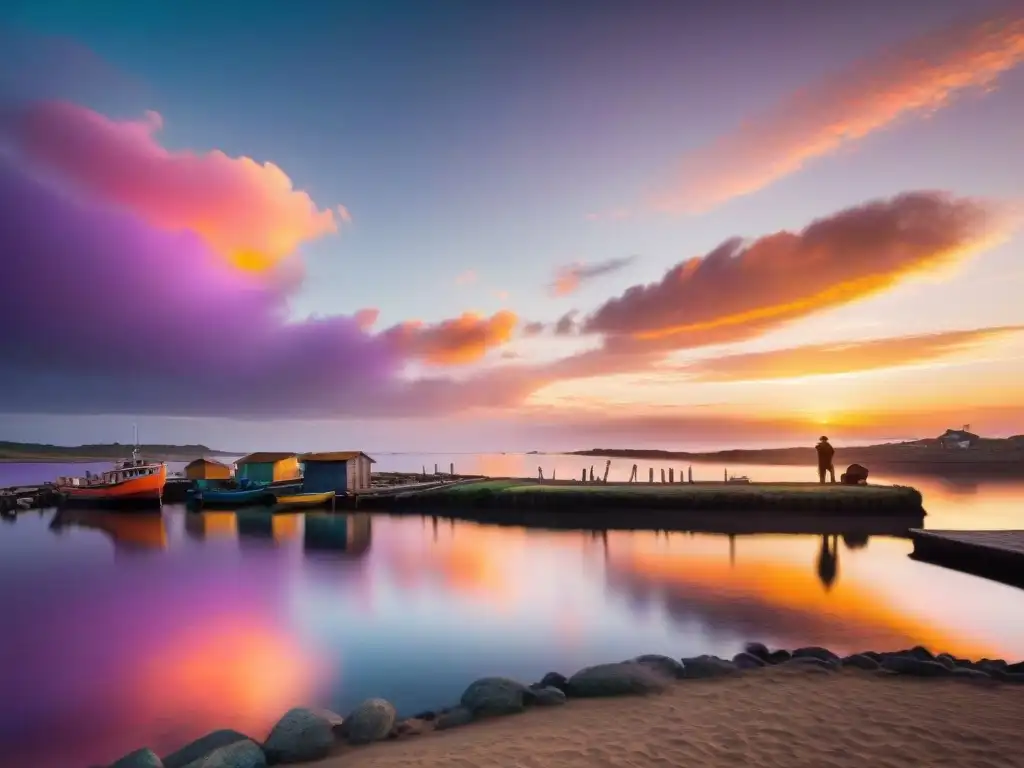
<point>202,494</point>
<point>303,500</point>
<point>133,482</point>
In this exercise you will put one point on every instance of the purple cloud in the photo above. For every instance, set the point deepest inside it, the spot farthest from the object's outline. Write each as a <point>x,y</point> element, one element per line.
<point>109,315</point>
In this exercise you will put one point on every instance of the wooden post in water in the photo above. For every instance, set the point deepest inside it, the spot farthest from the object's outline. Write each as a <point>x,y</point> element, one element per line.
<point>632,474</point>
<point>691,473</point>
<point>424,472</point>
<point>583,475</point>
<point>451,470</point>
<point>540,475</point>
<point>553,473</point>
<point>650,477</point>
<point>726,475</point>
<point>663,475</point>
<point>671,475</point>
<point>607,466</point>
<point>591,473</point>
<point>435,469</point>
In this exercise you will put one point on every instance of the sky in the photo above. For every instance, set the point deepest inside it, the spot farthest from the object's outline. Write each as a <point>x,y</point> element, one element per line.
<point>459,226</point>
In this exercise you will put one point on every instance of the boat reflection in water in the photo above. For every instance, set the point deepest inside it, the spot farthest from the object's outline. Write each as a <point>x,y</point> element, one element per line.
<point>344,534</point>
<point>139,531</point>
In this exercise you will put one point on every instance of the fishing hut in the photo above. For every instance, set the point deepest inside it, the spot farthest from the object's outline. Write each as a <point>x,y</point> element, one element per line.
<point>339,471</point>
<point>268,467</point>
<point>207,469</point>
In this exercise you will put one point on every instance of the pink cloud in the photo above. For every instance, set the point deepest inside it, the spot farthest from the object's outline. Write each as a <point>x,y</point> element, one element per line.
<point>570,277</point>
<point>247,211</point>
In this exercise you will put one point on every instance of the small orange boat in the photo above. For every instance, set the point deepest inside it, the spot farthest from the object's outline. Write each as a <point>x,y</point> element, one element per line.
<point>133,482</point>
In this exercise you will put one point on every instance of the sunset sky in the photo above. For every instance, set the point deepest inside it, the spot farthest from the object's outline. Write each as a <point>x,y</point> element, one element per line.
<point>459,226</point>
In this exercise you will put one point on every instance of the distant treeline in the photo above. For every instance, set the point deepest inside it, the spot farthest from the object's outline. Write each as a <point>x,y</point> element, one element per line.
<point>9,450</point>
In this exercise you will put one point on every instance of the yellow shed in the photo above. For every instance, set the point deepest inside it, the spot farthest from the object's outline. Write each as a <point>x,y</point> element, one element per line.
<point>207,469</point>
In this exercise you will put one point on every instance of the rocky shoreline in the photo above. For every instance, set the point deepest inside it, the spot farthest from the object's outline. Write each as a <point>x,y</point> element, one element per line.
<point>308,734</point>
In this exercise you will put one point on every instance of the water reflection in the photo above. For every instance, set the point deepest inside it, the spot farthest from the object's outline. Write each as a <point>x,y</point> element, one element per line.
<point>129,532</point>
<point>344,534</point>
<point>769,597</point>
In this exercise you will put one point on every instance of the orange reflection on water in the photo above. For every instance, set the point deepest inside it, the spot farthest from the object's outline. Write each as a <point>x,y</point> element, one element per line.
<point>236,673</point>
<point>212,525</point>
<point>286,528</point>
<point>785,599</point>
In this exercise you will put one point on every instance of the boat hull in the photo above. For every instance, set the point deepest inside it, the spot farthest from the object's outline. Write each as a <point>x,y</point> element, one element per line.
<point>303,500</point>
<point>145,491</point>
<point>225,498</point>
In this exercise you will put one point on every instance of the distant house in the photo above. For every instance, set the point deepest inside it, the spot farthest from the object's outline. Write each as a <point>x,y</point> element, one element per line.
<point>958,438</point>
<point>207,469</point>
<point>339,471</point>
<point>268,467</point>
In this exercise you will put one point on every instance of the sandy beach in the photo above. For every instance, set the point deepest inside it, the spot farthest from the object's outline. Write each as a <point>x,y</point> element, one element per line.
<point>784,717</point>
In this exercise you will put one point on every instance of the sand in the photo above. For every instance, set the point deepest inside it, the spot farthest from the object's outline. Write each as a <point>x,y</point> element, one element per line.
<point>790,718</point>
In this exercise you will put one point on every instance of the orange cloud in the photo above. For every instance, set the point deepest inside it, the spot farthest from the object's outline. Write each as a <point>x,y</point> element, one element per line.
<point>464,339</point>
<point>569,278</point>
<point>740,290</point>
<point>247,211</point>
<point>917,78</point>
<point>822,359</point>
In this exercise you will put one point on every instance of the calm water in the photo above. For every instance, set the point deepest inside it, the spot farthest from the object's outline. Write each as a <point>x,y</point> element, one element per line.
<point>149,630</point>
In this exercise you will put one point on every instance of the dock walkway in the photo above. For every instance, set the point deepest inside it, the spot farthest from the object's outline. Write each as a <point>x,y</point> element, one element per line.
<point>995,555</point>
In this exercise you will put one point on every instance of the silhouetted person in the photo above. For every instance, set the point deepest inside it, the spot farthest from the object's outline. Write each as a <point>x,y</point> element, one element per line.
<point>825,454</point>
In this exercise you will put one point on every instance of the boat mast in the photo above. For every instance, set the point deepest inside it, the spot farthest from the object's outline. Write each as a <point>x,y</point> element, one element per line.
<point>135,447</point>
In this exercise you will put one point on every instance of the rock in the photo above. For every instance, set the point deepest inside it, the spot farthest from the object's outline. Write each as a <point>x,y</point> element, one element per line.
<point>991,664</point>
<point>908,665</point>
<point>554,680</point>
<point>922,653</point>
<point>300,736</point>
<point>860,661</point>
<point>746,660</point>
<point>872,655</point>
<point>816,652</point>
<point>855,474</point>
<point>549,697</point>
<point>1006,677</point>
<point>758,649</point>
<point>490,696</point>
<point>453,718</point>
<point>812,661</point>
<point>621,679</point>
<point>704,667</point>
<point>202,747</point>
<point>240,754</point>
<point>946,660</point>
<point>140,758</point>
<point>663,664</point>
<point>370,721</point>
<point>426,716</point>
<point>779,657</point>
<point>1017,668</point>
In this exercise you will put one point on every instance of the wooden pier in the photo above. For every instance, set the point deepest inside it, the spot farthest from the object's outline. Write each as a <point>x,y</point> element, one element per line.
<point>995,555</point>
<point>20,498</point>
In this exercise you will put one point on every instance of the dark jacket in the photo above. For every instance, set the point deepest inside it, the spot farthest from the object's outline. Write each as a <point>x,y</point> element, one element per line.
<point>825,454</point>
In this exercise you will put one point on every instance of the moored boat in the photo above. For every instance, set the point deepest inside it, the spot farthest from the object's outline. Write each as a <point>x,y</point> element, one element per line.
<point>246,492</point>
<point>303,500</point>
<point>134,482</point>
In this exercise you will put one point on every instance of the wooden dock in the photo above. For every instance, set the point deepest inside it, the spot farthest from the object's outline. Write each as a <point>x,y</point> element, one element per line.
<point>995,555</point>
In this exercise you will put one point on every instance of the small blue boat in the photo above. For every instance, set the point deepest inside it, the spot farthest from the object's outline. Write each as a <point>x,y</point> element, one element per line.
<point>202,494</point>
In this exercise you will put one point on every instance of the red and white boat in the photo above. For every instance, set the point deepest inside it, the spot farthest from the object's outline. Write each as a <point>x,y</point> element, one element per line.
<point>134,482</point>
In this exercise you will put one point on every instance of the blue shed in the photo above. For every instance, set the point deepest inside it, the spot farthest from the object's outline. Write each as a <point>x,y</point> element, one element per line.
<point>340,471</point>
